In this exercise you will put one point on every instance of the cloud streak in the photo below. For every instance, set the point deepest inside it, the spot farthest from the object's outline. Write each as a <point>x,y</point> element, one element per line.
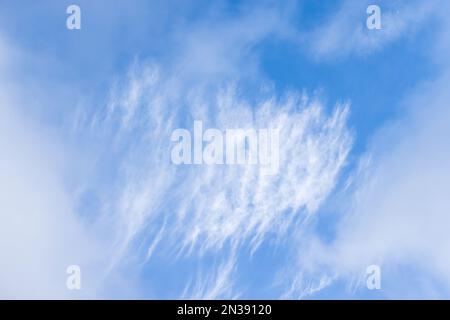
<point>200,209</point>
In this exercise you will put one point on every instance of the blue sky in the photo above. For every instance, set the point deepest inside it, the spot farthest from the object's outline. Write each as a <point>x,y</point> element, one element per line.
<point>86,178</point>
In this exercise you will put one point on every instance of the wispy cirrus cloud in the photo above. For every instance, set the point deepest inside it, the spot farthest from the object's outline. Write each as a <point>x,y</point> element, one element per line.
<point>194,210</point>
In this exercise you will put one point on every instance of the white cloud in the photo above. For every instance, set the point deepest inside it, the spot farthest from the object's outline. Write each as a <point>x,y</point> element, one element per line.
<point>41,232</point>
<point>205,208</point>
<point>40,235</point>
<point>400,209</point>
<point>215,282</point>
<point>345,32</point>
